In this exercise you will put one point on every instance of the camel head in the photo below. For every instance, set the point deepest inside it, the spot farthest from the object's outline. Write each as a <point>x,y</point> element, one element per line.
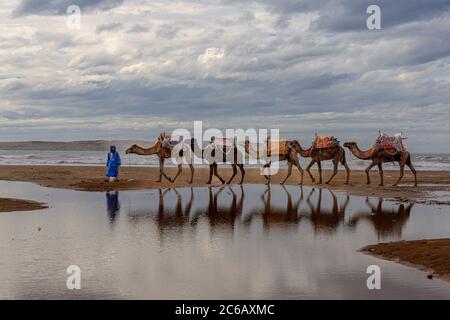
<point>131,149</point>
<point>350,144</point>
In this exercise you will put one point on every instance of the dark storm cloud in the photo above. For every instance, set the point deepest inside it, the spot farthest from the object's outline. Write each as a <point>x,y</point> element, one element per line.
<point>52,7</point>
<point>231,64</point>
<point>344,15</point>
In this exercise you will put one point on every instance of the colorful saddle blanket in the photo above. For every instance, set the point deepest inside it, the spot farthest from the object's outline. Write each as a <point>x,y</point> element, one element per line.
<point>385,141</point>
<point>323,142</point>
<point>171,141</point>
<point>280,147</point>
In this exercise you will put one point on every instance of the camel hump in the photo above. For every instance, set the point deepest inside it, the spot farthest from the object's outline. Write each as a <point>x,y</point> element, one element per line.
<point>390,142</point>
<point>323,142</point>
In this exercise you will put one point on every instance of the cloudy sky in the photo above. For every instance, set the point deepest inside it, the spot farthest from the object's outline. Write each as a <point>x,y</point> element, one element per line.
<point>303,66</point>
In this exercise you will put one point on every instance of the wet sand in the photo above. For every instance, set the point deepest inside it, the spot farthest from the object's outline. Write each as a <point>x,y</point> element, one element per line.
<point>91,178</point>
<point>10,205</point>
<point>430,255</point>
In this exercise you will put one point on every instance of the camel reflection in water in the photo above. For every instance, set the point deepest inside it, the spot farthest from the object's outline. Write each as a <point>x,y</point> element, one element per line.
<point>272,215</point>
<point>326,220</point>
<point>387,222</point>
<point>223,213</point>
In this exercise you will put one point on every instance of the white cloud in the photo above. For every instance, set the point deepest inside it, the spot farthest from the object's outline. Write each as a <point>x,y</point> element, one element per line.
<point>224,62</point>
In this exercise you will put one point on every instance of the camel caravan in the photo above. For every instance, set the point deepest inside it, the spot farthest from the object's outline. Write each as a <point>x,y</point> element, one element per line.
<point>324,148</point>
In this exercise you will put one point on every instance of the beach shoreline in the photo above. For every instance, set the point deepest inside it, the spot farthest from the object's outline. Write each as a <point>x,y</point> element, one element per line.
<point>91,178</point>
<point>429,255</point>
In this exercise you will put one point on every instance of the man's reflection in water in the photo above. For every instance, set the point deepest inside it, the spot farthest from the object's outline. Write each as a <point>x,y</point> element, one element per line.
<point>112,205</point>
<point>388,222</point>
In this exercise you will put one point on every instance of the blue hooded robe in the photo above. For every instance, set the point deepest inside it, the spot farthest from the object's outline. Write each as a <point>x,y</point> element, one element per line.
<point>113,162</point>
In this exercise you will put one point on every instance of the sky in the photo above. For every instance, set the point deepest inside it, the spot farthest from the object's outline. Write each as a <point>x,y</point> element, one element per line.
<point>135,68</point>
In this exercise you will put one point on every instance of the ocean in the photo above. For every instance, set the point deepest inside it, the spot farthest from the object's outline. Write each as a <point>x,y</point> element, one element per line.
<point>421,161</point>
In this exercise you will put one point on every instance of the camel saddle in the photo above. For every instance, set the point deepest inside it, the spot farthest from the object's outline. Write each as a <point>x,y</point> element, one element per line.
<point>280,147</point>
<point>323,142</point>
<point>388,142</point>
<point>170,142</point>
<point>223,142</point>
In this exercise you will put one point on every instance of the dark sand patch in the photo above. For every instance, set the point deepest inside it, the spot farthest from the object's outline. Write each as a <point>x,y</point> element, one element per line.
<point>10,205</point>
<point>430,255</point>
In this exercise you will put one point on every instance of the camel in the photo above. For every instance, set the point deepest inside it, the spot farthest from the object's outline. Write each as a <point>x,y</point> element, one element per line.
<point>224,151</point>
<point>336,154</point>
<point>165,153</point>
<point>291,158</point>
<point>380,156</point>
<point>162,153</point>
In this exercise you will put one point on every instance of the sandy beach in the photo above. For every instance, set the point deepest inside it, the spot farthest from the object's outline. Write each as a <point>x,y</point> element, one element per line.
<point>10,205</point>
<point>91,178</point>
<point>429,255</point>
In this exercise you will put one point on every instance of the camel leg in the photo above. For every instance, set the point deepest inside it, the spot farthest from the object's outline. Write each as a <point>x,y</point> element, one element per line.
<point>234,173</point>
<point>161,167</point>
<point>308,170</point>
<point>319,165</point>
<point>297,164</point>
<point>267,176</point>
<point>191,166</point>
<point>289,171</point>
<point>373,164</point>
<point>210,173</point>
<point>241,167</point>
<point>402,171</point>
<point>413,170</point>
<point>217,174</point>
<point>335,171</point>
<point>347,169</point>
<point>161,171</point>
<point>380,171</point>
<point>178,173</point>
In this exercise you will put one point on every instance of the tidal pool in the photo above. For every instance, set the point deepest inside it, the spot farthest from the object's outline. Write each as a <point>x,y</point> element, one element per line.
<point>250,242</point>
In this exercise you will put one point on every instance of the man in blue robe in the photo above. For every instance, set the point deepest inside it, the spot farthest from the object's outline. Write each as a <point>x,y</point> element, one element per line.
<point>113,162</point>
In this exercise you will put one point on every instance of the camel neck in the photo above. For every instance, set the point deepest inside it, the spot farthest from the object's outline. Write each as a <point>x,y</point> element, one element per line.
<point>363,155</point>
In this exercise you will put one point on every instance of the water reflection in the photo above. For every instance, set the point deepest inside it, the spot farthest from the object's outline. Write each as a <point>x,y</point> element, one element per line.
<point>277,214</point>
<point>386,221</point>
<point>221,215</point>
<point>323,219</point>
<point>112,205</point>
<point>222,208</point>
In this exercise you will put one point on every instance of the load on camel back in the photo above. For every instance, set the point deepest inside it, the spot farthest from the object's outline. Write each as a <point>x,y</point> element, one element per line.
<point>280,147</point>
<point>390,143</point>
<point>170,141</point>
<point>324,142</point>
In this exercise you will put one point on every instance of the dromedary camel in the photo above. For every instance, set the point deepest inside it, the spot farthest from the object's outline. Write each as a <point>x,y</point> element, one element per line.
<point>165,153</point>
<point>224,149</point>
<point>380,156</point>
<point>162,153</point>
<point>290,156</point>
<point>336,154</point>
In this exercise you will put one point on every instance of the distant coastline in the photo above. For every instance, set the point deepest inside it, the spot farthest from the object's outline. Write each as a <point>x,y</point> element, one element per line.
<point>93,153</point>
